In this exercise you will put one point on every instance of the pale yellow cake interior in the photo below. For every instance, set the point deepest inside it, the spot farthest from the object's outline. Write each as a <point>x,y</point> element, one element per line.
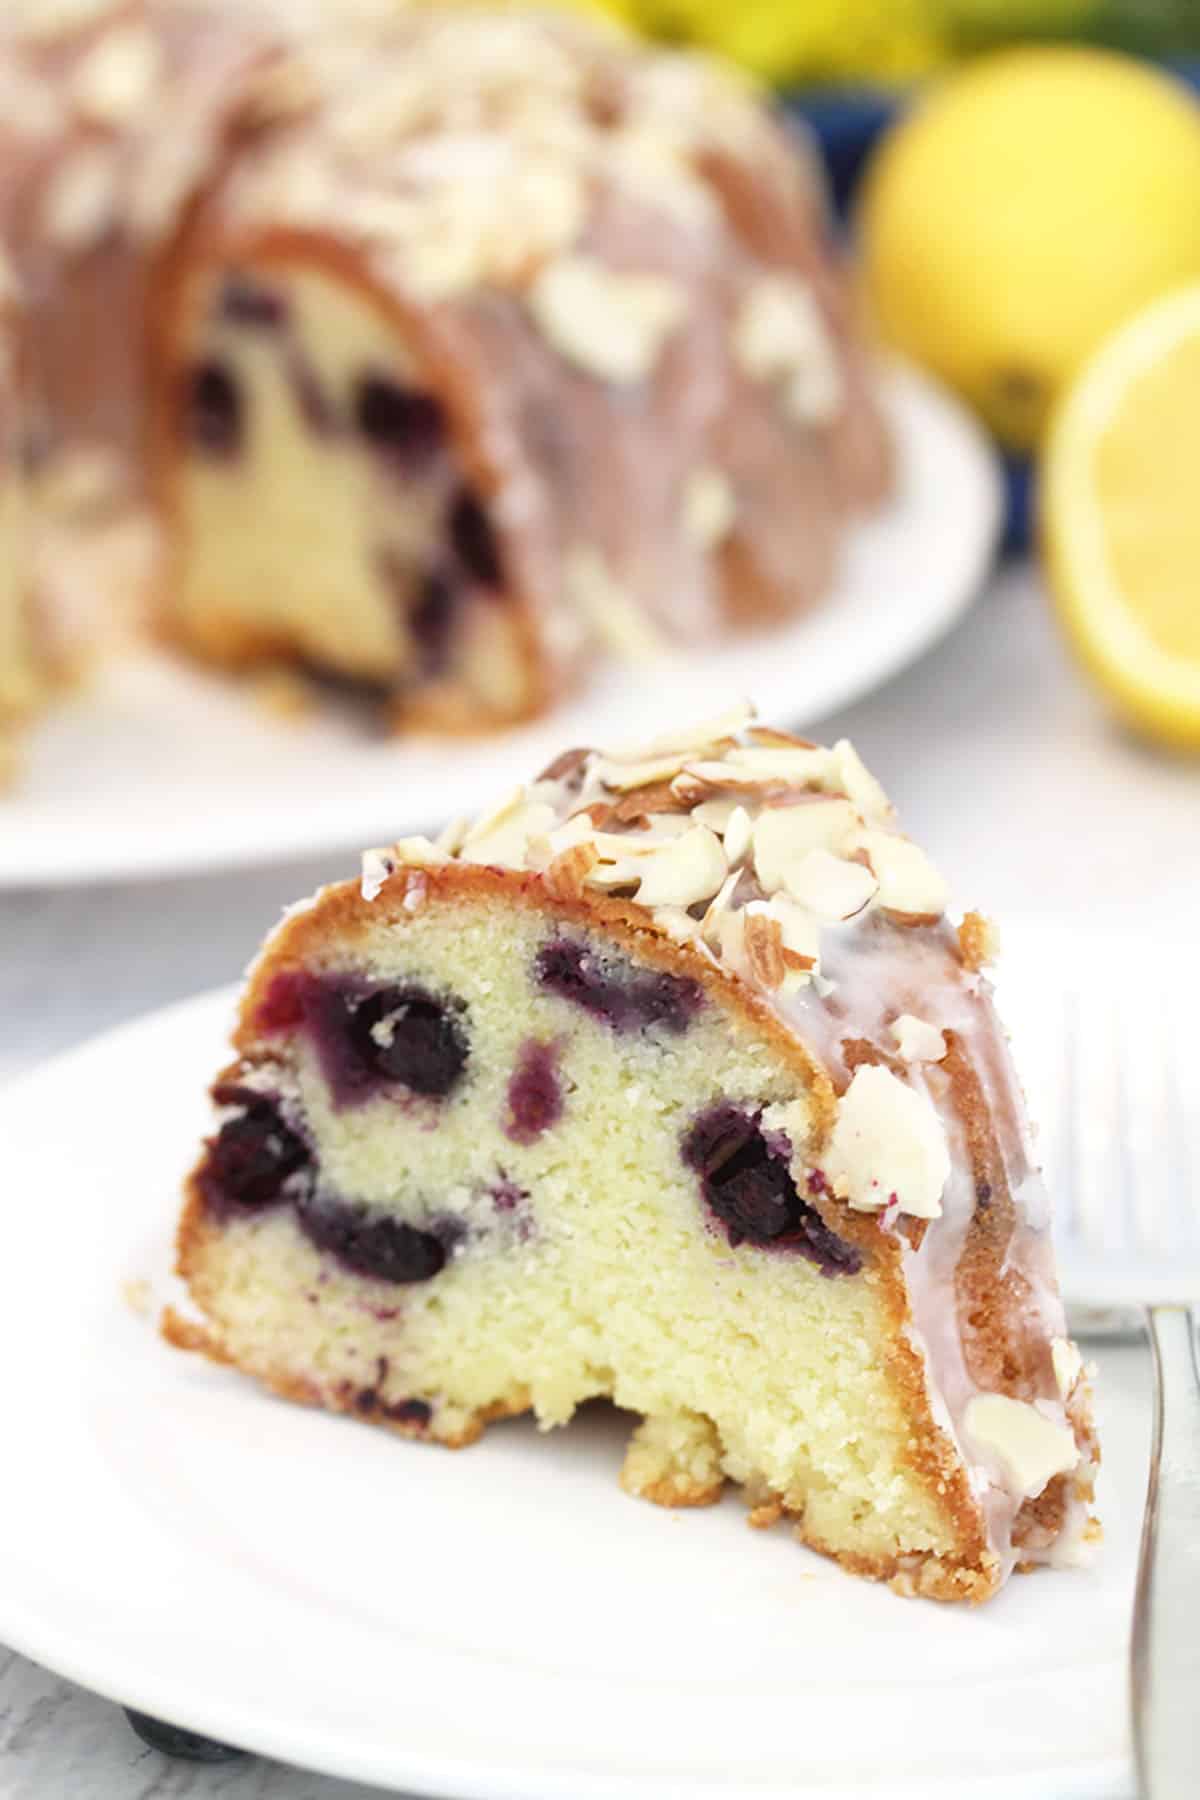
<point>743,1362</point>
<point>282,543</point>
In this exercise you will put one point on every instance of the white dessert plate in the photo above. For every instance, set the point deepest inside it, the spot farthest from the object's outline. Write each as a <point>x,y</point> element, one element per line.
<point>157,769</point>
<point>502,1624</point>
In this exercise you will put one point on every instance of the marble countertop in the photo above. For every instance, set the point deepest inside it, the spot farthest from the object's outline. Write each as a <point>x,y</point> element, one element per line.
<point>1004,766</point>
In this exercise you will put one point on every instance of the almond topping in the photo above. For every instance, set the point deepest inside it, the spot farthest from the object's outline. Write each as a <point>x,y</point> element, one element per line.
<point>768,735</point>
<point>908,881</point>
<point>716,814</point>
<point>860,785</point>
<point>764,949</point>
<point>621,777</point>
<point>828,885</point>
<point>917,1040</point>
<point>502,837</point>
<point>887,1147</point>
<point>116,78</point>
<point>1030,1448</point>
<point>709,508</point>
<point>610,610</point>
<point>567,873</point>
<point>1068,1365</point>
<point>705,736</point>
<point>793,765</point>
<point>719,905</point>
<point>689,869</point>
<point>737,834</point>
<point>609,323</point>
<point>782,835</point>
<point>643,804</point>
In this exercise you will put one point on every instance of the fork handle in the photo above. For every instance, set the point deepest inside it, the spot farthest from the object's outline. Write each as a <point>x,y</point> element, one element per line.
<point>1165,1651</point>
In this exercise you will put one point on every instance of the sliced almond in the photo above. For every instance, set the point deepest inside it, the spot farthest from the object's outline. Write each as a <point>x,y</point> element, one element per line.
<point>908,881</point>
<point>828,885</point>
<point>796,765</point>
<point>918,1040</point>
<point>116,78</point>
<point>450,838</point>
<point>609,610</point>
<point>860,785</point>
<point>690,740</point>
<point>769,736</point>
<point>500,811</point>
<point>801,933</point>
<point>689,869</point>
<point>716,814</point>
<point>607,322</point>
<point>738,832</point>
<point>502,837</point>
<point>699,779</point>
<point>1029,1448</point>
<point>888,1148</point>
<point>578,829</point>
<point>566,874</point>
<point>622,777</point>
<point>709,508</point>
<point>614,875</point>
<point>377,866</point>
<point>645,803</point>
<point>719,905</point>
<point>764,949</point>
<point>565,765</point>
<point>784,834</point>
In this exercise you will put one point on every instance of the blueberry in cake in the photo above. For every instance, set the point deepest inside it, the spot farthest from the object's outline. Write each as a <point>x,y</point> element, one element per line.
<point>667,1080</point>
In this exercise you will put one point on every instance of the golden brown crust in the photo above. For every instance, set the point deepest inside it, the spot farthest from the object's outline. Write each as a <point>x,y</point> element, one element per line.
<point>674,1491</point>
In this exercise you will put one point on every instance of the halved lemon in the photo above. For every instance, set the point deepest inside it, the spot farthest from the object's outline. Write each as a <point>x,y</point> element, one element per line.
<point>1121,517</point>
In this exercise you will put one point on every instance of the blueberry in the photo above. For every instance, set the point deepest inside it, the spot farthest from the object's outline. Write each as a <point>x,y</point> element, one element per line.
<point>432,619</point>
<point>214,409</point>
<point>535,1099</point>
<point>410,1412</point>
<point>367,1038</point>
<point>401,422</point>
<point>408,1036</point>
<point>473,539</point>
<point>627,998</point>
<point>253,1157</point>
<point>172,1740</point>
<point>379,1246</point>
<point>747,1183</point>
<point>243,302</point>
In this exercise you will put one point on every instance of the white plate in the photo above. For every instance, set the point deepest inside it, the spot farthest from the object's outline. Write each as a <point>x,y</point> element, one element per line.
<point>500,1623</point>
<point>157,769</point>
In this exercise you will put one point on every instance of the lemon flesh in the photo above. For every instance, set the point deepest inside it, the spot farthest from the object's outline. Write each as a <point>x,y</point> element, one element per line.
<point>1021,211</point>
<point>1121,517</point>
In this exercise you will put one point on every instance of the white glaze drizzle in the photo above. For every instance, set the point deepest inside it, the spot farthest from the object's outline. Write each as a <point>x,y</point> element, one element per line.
<point>869,970</point>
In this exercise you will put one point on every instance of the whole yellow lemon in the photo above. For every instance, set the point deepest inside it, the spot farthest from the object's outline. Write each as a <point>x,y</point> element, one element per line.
<point>1023,208</point>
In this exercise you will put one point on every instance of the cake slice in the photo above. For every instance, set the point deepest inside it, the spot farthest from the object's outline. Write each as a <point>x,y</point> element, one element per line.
<point>668,1080</point>
<point>508,344</point>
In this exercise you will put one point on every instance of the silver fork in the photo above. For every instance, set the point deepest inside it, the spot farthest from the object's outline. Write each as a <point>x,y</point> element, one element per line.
<point>1116,1083</point>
